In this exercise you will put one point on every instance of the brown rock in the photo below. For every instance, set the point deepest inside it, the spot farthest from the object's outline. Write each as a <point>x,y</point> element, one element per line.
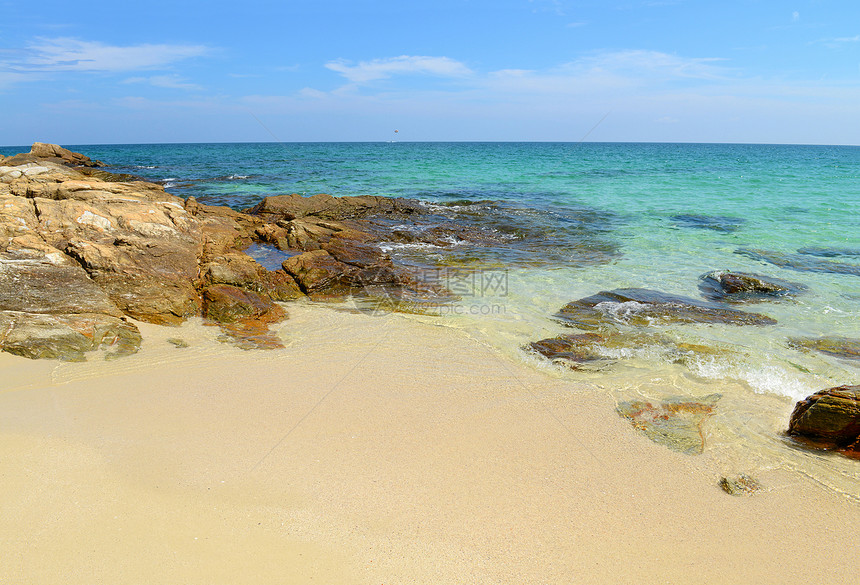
<point>46,151</point>
<point>229,304</point>
<point>317,271</point>
<point>244,316</point>
<point>572,350</point>
<point>289,207</point>
<point>829,419</point>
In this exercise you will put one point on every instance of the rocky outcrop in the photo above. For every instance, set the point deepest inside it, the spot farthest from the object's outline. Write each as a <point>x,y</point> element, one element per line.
<point>83,251</point>
<point>79,256</point>
<point>829,419</point>
<point>644,307</point>
<point>742,287</point>
<point>44,152</point>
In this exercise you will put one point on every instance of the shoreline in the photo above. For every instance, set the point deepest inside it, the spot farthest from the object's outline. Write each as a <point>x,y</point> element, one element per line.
<point>372,450</point>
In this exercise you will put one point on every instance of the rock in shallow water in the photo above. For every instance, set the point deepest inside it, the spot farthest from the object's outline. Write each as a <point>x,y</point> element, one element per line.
<point>675,422</point>
<point>799,262</point>
<point>840,347</point>
<point>742,287</point>
<point>719,223</point>
<point>829,419</point>
<point>644,307</point>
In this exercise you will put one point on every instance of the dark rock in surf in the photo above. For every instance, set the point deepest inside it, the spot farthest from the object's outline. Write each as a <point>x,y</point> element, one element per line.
<point>644,307</point>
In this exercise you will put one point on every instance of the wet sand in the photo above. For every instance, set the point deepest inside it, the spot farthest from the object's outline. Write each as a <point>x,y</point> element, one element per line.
<point>377,450</point>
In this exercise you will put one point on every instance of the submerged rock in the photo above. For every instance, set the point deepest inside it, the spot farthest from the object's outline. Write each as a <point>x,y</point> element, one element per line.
<point>830,252</point>
<point>800,262</point>
<point>644,307</point>
<point>675,422</point>
<point>742,287</point>
<point>840,347</point>
<point>719,223</point>
<point>578,351</point>
<point>829,419</point>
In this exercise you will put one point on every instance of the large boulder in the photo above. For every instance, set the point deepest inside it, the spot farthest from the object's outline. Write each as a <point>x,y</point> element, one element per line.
<point>55,152</point>
<point>829,419</point>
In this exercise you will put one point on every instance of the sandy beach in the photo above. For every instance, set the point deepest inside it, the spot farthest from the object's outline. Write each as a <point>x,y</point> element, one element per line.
<point>377,450</point>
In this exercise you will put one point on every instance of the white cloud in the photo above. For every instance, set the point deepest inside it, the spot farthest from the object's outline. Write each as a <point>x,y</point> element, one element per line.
<point>795,16</point>
<point>366,71</point>
<point>69,54</point>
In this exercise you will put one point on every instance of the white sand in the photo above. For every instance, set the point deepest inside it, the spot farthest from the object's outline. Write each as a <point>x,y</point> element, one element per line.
<point>374,450</point>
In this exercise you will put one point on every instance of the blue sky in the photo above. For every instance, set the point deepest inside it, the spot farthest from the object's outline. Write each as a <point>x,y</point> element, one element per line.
<point>333,70</point>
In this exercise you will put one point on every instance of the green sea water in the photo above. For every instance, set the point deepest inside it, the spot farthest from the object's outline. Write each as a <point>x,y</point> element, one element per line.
<point>574,219</point>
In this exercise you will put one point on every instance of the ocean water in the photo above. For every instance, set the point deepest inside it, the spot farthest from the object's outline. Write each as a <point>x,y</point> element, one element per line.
<point>574,219</point>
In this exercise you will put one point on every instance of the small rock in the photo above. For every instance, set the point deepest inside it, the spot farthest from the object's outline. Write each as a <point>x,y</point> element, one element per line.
<point>742,485</point>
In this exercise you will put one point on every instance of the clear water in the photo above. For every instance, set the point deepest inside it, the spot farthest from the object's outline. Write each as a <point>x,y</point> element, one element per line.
<point>609,216</point>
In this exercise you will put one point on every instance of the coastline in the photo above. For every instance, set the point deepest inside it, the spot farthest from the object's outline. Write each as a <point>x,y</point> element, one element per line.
<point>371,449</point>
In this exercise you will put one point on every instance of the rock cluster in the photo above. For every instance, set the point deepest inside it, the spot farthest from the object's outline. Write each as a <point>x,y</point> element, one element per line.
<point>81,256</point>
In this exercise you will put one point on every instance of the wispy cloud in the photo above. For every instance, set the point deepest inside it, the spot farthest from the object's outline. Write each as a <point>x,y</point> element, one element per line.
<point>366,71</point>
<point>166,81</point>
<point>838,42</point>
<point>70,54</point>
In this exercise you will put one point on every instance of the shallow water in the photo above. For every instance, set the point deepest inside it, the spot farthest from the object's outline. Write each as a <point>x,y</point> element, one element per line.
<point>571,220</point>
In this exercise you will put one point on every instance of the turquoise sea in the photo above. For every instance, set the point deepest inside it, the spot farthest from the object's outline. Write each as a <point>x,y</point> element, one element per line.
<point>578,218</point>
